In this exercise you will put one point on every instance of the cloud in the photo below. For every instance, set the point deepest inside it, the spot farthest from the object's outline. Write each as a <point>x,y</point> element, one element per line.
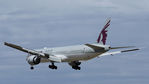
<point>51,23</point>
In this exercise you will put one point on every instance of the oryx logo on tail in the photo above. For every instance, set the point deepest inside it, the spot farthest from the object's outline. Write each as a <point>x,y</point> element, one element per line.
<point>103,35</point>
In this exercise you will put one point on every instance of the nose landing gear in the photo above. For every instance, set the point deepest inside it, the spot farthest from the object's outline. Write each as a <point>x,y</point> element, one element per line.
<point>32,68</point>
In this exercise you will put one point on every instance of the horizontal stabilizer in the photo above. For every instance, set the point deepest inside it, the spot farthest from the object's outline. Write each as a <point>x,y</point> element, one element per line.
<point>129,50</point>
<point>96,48</point>
<point>122,47</point>
<point>118,52</point>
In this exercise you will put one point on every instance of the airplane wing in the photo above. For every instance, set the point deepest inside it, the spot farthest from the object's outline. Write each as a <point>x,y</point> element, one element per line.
<point>118,52</point>
<point>33,52</point>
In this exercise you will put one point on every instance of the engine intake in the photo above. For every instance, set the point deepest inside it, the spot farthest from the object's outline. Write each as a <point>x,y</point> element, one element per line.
<point>33,60</point>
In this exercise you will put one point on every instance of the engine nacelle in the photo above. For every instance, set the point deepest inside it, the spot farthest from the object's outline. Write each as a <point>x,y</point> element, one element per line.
<point>33,60</point>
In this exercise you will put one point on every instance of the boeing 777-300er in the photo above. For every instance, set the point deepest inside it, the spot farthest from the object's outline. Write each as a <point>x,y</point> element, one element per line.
<point>73,55</point>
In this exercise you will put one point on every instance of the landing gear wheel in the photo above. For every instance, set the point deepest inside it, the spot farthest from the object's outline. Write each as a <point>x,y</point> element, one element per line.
<point>76,67</point>
<point>52,67</point>
<point>79,68</point>
<point>78,63</point>
<point>55,67</point>
<point>31,68</point>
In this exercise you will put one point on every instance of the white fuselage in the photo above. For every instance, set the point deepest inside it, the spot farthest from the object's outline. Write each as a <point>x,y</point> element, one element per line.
<point>73,53</point>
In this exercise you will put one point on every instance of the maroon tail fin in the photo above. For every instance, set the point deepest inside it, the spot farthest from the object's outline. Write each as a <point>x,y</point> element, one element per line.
<point>103,35</point>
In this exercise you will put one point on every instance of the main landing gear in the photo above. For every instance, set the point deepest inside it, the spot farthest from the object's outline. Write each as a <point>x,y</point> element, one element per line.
<point>75,65</point>
<point>52,66</point>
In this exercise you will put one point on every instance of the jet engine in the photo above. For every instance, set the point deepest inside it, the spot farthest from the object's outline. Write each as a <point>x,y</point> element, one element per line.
<point>33,60</point>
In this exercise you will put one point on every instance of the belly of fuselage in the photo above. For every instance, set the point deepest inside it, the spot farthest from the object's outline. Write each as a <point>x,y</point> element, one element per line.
<point>77,57</point>
<point>81,57</point>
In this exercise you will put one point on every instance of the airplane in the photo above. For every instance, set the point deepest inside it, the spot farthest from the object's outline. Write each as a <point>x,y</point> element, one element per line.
<point>73,55</point>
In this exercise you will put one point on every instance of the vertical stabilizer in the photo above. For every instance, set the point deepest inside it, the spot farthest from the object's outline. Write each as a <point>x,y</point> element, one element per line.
<point>103,35</point>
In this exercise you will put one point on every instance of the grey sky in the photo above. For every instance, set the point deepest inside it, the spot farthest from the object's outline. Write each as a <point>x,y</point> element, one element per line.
<point>51,23</point>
